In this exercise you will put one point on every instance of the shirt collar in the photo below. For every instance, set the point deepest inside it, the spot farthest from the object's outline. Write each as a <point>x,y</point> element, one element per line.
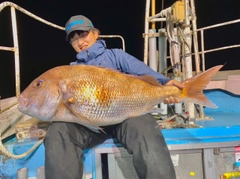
<point>92,52</point>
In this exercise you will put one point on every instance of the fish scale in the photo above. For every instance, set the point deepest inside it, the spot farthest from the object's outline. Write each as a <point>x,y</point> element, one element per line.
<point>94,96</point>
<point>102,100</point>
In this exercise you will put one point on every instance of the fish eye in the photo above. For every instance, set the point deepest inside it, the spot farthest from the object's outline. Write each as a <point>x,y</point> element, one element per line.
<point>39,83</point>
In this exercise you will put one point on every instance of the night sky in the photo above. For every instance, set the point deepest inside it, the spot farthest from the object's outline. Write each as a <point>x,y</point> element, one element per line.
<point>43,47</point>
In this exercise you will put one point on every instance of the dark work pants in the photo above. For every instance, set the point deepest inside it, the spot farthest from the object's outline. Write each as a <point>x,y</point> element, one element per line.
<point>141,136</point>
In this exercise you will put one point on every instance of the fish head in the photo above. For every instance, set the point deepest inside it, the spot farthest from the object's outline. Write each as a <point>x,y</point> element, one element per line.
<point>41,98</point>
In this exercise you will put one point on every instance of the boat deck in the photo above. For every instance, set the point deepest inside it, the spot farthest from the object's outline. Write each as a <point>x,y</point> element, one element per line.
<point>222,131</point>
<point>225,126</point>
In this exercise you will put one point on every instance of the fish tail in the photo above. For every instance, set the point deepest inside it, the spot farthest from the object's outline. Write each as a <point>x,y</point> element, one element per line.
<point>193,88</point>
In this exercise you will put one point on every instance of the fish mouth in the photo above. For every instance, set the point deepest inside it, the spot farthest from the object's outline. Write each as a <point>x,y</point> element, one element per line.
<point>28,107</point>
<point>21,104</point>
<point>21,109</point>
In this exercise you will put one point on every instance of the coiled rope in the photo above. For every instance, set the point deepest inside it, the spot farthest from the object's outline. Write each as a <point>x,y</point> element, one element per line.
<point>5,152</point>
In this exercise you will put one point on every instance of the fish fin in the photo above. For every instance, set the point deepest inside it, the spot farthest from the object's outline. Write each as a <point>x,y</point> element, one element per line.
<point>148,79</point>
<point>84,118</point>
<point>193,90</point>
<point>94,129</point>
<point>94,124</point>
<point>72,100</point>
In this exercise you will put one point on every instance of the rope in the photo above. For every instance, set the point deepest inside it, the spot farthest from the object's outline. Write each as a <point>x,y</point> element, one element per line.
<point>176,121</point>
<point>174,45</point>
<point>4,151</point>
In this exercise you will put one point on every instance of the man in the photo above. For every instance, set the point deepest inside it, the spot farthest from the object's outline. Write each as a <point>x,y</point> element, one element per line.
<point>141,136</point>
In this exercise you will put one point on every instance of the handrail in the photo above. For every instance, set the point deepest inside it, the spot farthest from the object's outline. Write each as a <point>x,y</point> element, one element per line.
<point>115,36</point>
<point>203,51</point>
<point>7,3</point>
<point>219,48</point>
<point>15,48</point>
<point>219,25</point>
<point>188,34</point>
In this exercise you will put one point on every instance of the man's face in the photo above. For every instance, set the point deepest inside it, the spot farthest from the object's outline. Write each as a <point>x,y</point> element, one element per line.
<point>84,40</point>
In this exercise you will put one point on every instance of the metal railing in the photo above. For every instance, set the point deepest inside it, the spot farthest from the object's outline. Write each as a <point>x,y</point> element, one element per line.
<point>155,18</point>
<point>15,47</point>
<point>202,30</point>
<point>189,34</point>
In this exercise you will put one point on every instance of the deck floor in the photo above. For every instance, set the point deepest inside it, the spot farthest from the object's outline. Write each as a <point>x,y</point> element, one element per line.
<point>228,111</point>
<point>224,128</point>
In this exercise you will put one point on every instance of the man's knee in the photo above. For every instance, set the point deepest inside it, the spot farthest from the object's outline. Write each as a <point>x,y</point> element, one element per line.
<point>142,124</point>
<point>137,129</point>
<point>55,131</point>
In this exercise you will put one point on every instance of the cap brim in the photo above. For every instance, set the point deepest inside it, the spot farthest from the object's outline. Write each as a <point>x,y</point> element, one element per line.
<point>77,28</point>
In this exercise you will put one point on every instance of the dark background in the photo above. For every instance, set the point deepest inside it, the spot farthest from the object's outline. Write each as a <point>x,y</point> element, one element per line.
<point>43,47</point>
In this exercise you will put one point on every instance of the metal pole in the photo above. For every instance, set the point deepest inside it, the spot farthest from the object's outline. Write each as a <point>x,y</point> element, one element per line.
<point>115,36</point>
<point>22,173</point>
<point>162,56</point>
<point>195,39</point>
<point>153,51</point>
<point>162,50</point>
<point>188,57</point>
<point>41,173</point>
<point>16,50</point>
<point>203,50</point>
<point>196,51</point>
<point>153,4</point>
<point>145,56</point>
<point>187,33</point>
<point>178,106</point>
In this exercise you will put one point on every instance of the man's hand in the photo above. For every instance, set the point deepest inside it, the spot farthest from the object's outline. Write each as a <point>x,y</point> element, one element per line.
<point>171,99</point>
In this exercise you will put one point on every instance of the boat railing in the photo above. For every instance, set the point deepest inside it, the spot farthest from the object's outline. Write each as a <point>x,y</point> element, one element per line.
<point>9,114</point>
<point>161,17</point>
<point>182,33</point>
<point>202,32</point>
<point>15,48</point>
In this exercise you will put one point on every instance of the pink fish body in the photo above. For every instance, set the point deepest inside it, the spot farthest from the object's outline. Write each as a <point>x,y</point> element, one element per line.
<point>94,96</point>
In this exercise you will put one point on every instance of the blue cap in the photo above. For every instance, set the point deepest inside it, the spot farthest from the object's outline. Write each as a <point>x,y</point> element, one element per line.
<point>78,22</point>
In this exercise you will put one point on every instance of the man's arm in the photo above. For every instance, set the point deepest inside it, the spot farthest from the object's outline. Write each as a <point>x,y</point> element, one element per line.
<point>132,65</point>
